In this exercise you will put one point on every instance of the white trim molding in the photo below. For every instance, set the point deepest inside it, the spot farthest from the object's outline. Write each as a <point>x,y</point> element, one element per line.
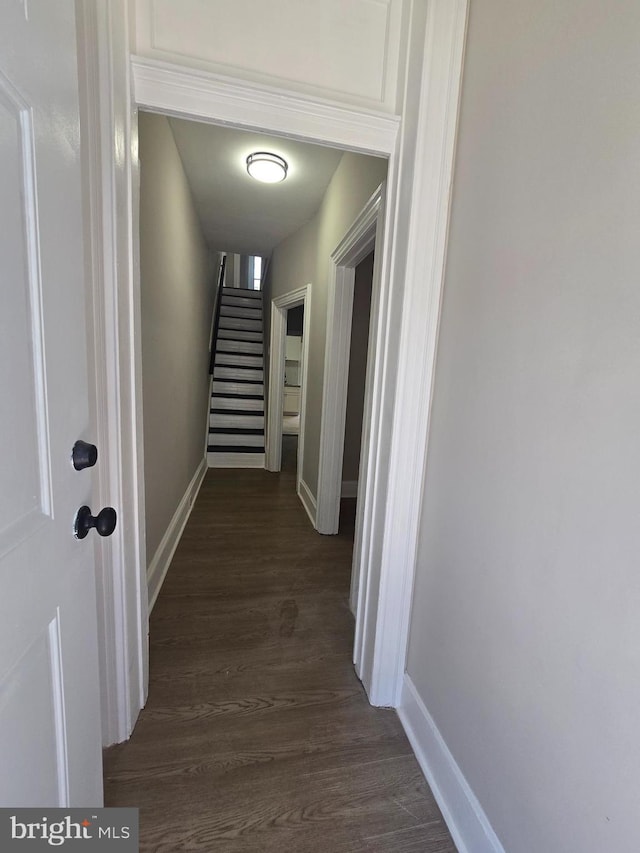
<point>175,90</point>
<point>159,565</point>
<point>114,327</point>
<point>308,501</point>
<point>279,307</point>
<point>356,244</point>
<point>467,822</point>
<point>384,607</point>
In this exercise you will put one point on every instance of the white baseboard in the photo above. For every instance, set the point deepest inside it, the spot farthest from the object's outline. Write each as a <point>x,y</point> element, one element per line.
<point>235,460</point>
<point>308,501</point>
<point>349,489</point>
<point>159,565</point>
<point>464,816</point>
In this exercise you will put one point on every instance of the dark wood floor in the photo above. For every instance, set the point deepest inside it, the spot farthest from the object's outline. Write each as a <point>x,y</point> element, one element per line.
<point>257,735</point>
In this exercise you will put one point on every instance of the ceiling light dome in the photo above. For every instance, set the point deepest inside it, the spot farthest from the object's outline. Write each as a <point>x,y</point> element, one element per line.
<point>266,167</point>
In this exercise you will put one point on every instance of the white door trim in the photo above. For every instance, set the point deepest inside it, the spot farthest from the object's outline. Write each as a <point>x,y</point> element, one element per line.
<point>384,604</point>
<point>277,344</point>
<point>115,325</point>
<point>356,244</point>
<point>186,92</point>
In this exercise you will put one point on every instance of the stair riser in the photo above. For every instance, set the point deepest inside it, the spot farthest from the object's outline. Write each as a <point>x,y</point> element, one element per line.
<point>241,292</point>
<point>240,311</point>
<point>223,389</point>
<point>240,324</point>
<point>236,421</point>
<point>238,359</point>
<point>242,374</point>
<point>236,404</point>
<point>234,459</point>
<point>241,301</point>
<point>231,440</point>
<point>239,335</point>
<point>241,347</point>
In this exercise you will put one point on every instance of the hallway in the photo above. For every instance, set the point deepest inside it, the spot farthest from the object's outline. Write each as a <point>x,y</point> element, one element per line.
<point>257,735</point>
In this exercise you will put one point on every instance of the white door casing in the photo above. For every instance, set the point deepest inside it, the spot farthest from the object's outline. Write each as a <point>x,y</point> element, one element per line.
<point>419,180</point>
<point>114,330</point>
<point>279,308</point>
<point>49,695</point>
<point>356,244</point>
<point>384,607</point>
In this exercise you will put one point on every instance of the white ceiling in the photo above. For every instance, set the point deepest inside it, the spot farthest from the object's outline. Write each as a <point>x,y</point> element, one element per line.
<point>239,214</point>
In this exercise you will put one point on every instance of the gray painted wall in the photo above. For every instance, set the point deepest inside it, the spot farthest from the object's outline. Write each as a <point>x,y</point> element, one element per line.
<point>525,632</point>
<point>304,257</point>
<point>177,281</point>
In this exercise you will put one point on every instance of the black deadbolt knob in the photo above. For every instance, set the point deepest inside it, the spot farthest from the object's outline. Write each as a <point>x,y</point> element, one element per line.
<point>104,522</point>
<point>84,455</point>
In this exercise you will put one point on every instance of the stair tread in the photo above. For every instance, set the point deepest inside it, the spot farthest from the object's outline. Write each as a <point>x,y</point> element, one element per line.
<point>230,395</point>
<point>233,381</point>
<point>249,336</point>
<point>237,366</point>
<point>225,345</point>
<point>235,448</point>
<point>235,431</point>
<point>241,413</point>
<point>255,316</point>
<point>246,358</point>
<point>241,291</point>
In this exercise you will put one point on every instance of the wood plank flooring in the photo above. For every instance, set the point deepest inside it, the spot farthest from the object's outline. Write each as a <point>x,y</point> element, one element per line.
<point>257,735</point>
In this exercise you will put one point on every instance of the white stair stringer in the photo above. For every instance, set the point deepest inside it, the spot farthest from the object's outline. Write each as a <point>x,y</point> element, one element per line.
<point>236,416</point>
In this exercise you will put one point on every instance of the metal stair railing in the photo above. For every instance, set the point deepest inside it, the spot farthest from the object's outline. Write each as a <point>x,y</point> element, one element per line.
<point>216,320</point>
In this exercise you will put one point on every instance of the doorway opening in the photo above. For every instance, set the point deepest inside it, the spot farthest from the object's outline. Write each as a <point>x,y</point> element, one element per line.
<point>356,383</point>
<point>288,379</point>
<point>293,368</point>
<point>416,226</point>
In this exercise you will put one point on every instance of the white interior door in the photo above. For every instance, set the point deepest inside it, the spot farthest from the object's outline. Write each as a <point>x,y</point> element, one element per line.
<point>49,697</point>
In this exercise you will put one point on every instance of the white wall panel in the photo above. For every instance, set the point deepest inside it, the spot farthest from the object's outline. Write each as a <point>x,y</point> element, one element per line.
<point>347,50</point>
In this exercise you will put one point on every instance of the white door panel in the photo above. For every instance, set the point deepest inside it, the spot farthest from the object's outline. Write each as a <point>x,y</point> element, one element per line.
<point>49,699</point>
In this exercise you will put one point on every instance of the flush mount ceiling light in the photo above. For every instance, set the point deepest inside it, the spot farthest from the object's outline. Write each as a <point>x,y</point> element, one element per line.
<point>266,167</point>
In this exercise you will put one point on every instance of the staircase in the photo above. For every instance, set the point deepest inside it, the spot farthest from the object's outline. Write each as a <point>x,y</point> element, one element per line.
<point>236,414</point>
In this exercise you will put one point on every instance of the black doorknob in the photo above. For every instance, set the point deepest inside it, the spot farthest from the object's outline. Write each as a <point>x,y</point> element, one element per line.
<point>104,522</point>
<point>84,455</point>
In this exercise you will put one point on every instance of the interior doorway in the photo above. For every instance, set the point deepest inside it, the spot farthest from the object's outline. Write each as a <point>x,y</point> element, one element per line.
<point>292,372</point>
<point>381,623</point>
<point>358,351</point>
<point>287,394</point>
<point>292,389</point>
